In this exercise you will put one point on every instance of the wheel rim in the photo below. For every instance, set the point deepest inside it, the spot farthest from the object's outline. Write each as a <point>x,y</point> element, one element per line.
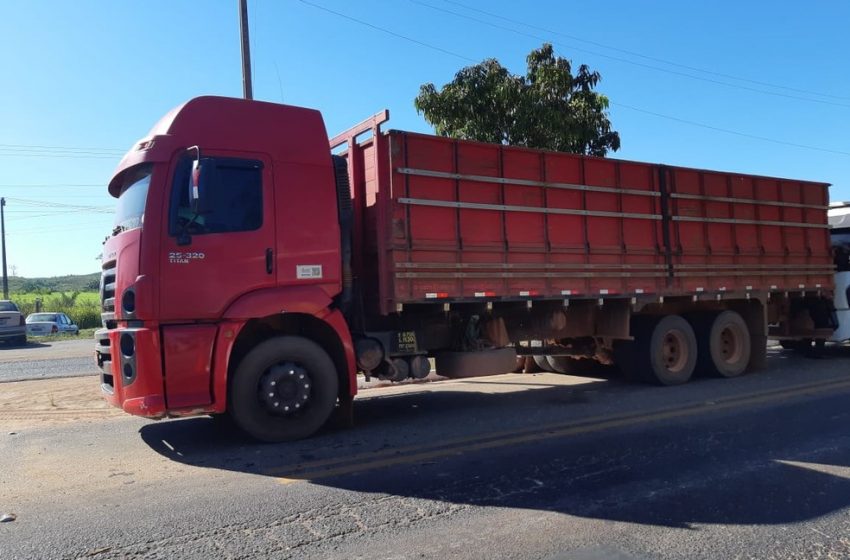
<point>674,351</point>
<point>285,389</point>
<point>731,344</point>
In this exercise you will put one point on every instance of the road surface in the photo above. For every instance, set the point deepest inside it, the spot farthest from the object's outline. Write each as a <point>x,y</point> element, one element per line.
<point>518,466</point>
<point>42,358</point>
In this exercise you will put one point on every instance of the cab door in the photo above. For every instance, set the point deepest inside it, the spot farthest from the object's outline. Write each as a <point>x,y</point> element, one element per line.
<point>221,247</point>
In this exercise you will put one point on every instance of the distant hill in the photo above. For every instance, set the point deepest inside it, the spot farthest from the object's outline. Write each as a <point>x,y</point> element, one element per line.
<point>69,283</point>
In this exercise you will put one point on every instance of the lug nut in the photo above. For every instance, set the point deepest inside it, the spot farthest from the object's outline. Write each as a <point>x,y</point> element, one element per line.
<point>277,404</point>
<point>271,394</point>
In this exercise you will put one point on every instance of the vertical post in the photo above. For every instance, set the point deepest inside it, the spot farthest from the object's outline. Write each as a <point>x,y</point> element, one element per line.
<point>247,88</point>
<point>3,236</point>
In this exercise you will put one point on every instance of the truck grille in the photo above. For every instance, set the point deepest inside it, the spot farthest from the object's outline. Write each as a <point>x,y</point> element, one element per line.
<point>103,354</point>
<point>107,295</point>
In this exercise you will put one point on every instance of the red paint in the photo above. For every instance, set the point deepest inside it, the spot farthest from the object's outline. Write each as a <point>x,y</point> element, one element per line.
<point>145,395</point>
<point>187,352</point>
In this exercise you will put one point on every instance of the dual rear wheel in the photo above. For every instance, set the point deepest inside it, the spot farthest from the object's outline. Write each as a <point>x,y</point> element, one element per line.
<point>668,350</point>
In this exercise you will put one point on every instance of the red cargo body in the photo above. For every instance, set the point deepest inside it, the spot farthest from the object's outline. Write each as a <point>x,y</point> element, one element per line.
<point>442,219</point>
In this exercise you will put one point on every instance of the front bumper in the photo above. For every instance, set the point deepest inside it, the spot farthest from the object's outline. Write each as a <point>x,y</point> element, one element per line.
<point>131,370</point>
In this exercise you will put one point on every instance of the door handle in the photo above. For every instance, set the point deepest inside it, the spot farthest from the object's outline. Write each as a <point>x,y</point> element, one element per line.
<point>269,260</point>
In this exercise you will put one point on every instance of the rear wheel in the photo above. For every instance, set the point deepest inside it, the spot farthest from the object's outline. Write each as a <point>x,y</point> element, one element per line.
<point>664,351</point>
<point>791,344</point>
<point>284,389</point>
<point>723,344</point>
<point>543,363</point>
<point>459,365</point>
<point>577,366</point>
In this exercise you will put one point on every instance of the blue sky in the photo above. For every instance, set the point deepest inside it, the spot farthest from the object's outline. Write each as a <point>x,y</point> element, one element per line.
<point>81,81</point>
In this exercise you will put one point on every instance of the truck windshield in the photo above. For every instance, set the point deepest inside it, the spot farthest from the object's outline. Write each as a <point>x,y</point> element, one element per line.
<point>130,211</point>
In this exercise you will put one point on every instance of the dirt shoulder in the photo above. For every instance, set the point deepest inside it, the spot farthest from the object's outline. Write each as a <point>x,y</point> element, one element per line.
<point>40,403</point>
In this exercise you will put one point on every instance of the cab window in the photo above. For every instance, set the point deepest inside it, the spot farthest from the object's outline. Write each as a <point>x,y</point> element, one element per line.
<point>232,198</point>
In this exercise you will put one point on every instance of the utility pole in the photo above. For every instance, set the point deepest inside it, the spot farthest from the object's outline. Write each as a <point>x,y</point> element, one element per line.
<point>3,236</point>
<point>247,89</point>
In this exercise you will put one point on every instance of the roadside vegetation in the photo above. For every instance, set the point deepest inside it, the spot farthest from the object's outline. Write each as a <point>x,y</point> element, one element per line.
<point>75,295</point>
<point>82,307</point>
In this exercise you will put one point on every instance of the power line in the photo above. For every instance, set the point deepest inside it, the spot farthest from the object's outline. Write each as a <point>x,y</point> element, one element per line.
<point>51,204</point>
<point>640,64</point>
<point>42,147</point>
<point>60,213</point>
<point>728,131</point>
<point>49,185</point>
<point>66,227</point>
<point>660,115</point>
<point>51,155</point>
<point>388,32</point>
<point>647,57</point>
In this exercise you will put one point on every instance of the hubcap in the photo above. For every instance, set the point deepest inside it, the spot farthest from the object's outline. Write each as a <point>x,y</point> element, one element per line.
<point>285,388</point>
<point>730,345</point>
<point>674,351</point>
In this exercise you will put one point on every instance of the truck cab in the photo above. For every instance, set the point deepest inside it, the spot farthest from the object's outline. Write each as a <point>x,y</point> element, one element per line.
<point>215,250</point>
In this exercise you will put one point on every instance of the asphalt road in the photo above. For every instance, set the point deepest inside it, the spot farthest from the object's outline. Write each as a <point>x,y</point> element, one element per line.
<point>516,466</point>
<point>45,359</point>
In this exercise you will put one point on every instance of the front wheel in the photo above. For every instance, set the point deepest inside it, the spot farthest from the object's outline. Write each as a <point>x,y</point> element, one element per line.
<point>284,389</point>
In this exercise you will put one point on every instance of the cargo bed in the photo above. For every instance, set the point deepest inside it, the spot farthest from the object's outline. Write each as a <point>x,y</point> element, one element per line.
<point>444,219</point>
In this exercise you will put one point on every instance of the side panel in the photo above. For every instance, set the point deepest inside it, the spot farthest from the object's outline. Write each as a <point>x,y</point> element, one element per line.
<point>465,220</point>
<point>472,220</point>
<point>738,232</point>
<point>188,352</point>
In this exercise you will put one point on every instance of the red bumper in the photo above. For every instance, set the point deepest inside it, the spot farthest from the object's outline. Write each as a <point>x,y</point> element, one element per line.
<point>131,370</point>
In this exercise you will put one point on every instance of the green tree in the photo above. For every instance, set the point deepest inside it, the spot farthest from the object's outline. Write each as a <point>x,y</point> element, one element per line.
<point>548,108</point>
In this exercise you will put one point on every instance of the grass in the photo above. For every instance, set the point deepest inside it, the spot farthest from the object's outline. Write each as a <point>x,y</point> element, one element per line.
<point>84,335</point>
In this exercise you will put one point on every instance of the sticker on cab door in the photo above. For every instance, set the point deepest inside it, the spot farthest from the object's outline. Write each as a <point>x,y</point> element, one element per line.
<point>308,271</point>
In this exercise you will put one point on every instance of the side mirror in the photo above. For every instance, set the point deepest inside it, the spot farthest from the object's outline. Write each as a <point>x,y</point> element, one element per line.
<point>195,185</point>
<point>200,179</point>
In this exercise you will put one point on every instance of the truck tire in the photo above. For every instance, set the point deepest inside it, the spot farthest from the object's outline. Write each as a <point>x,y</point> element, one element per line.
<point>577,366</point>
<point>723,344</point>
<point>284,389</point>
<point>458,365</point>
<point>543,363</point>
<point>664,351</point>
<point>802,345</point>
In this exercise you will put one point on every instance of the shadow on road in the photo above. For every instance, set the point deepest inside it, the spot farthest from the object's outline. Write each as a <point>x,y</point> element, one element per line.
<point>758,465</point>
<point>30,345</point>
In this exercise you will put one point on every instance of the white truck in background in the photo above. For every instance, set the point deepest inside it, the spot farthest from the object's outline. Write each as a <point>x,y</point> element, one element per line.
<point>839,224</point>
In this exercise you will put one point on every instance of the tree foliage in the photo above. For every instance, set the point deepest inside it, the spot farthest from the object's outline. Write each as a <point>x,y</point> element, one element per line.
<point>548,108</point>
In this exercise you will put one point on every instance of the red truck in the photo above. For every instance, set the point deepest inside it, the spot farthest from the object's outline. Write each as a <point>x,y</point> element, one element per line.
<point>254,270</point>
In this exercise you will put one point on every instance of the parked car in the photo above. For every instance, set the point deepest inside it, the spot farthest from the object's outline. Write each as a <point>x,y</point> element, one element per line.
<point>12,326</point>
<point>43,324</point>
